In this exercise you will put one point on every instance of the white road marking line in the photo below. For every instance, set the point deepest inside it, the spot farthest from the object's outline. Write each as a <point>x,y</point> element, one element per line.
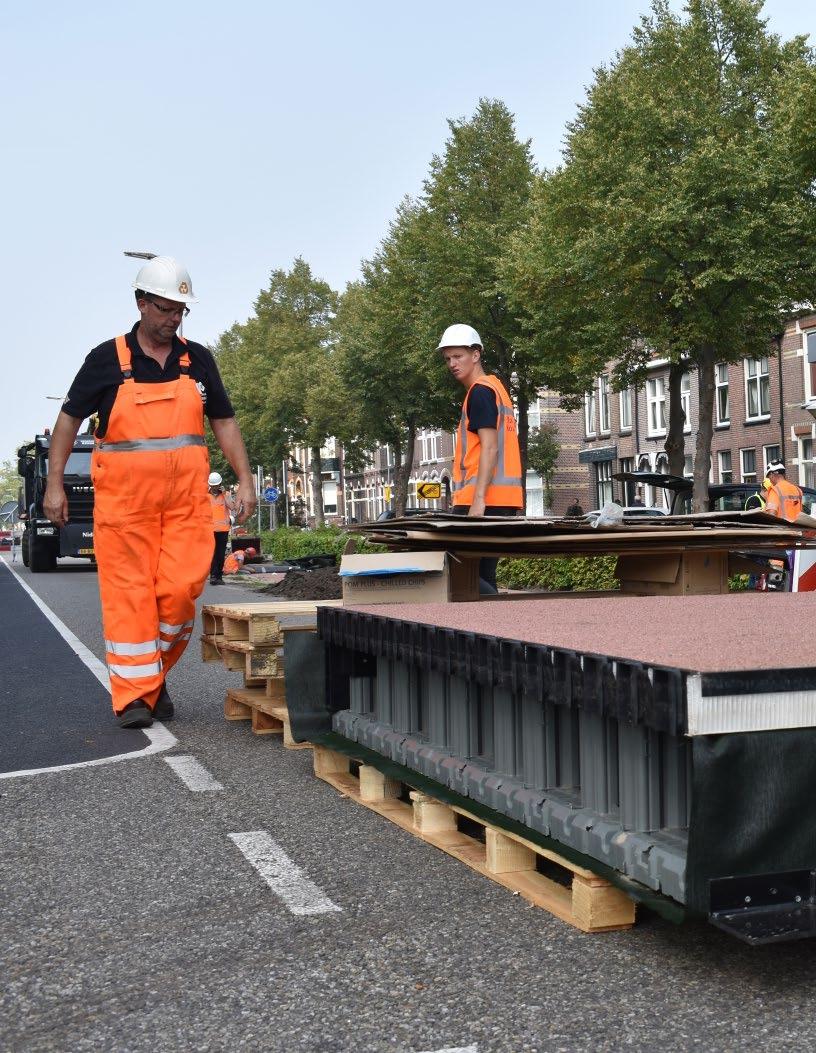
<point>159,737</point>
<point>458,1049</point>
<point>284,877</point>
<point>194,775</point>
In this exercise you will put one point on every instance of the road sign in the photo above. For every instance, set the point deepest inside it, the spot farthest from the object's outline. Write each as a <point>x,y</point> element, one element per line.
<point>386,493</point>
<point>429,491</point>
<point>271,494</point>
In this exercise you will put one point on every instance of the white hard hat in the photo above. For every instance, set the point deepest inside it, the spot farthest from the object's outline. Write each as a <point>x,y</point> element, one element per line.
<point>164,276</point>
<point>215,479</point>
<point>459,336</point>
<point>776,466</point>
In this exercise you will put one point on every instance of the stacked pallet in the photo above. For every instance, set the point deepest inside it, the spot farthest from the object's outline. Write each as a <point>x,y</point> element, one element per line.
<point>249,638</point>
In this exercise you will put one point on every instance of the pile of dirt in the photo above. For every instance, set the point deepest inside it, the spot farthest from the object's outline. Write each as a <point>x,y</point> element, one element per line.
<point>320,584</point>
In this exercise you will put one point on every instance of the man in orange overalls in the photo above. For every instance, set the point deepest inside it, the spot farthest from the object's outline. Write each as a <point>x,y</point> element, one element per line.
<point>782,499</point>
<point>153,528</point>
<point>221,506</point>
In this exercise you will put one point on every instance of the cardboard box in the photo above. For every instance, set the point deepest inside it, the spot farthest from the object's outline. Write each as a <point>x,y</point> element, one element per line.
<point>683,574</point>
<point>408,577</point>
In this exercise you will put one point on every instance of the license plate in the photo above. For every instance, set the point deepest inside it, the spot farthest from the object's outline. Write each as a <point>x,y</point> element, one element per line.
<point>86,552</point>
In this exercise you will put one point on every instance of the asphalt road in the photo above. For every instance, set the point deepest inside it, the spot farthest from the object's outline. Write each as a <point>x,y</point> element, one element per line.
<point>132,921</point>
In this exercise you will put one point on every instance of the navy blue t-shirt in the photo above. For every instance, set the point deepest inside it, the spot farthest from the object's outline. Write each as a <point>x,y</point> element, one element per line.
<point>482,409</point>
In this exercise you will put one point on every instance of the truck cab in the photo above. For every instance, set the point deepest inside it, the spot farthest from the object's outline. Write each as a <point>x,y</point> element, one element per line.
<point>42,542</point>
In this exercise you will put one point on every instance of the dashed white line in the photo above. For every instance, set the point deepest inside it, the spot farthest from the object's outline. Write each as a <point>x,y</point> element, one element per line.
<point>193,774</point>
<point>159,737</point>
<point>284,877</point>
<point>457,1049</point>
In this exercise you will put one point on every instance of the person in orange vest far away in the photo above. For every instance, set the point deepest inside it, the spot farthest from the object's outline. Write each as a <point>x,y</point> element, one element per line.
<point>782,498</point>
<point>153,526</point>
<point>234,561</point>
<point>222,505</point>
<point>487,459</point>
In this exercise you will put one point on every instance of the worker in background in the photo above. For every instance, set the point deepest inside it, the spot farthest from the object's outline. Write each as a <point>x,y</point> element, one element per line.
<point>153,531</point>
<point>757,502</point>
<point>487,459</point>
<point>783,499</point>
<point>575,508</point>
<point>221,504</point>
<point>235,561</point>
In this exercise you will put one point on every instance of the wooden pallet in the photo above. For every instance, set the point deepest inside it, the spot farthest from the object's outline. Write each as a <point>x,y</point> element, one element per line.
<point>585,901</point>
<point>261,624</point>
<point>269,716</point>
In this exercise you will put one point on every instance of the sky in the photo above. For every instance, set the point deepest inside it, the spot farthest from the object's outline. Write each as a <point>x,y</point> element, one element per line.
<point>238,136</point>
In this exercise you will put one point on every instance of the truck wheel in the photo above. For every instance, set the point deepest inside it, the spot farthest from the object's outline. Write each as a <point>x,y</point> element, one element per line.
<point>41,556</point>
<point>24,548</point>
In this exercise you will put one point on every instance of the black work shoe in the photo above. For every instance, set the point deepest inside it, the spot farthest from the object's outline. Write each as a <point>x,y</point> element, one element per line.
<point>164,708</point>
<point>216,581</point>
<point>135,715</point>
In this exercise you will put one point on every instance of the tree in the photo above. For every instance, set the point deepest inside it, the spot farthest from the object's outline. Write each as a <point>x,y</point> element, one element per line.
<point>543,449</point>
<point>9,481</point>
<point>683,218</point>
<point>280,368</point>
<point>476,196</point>
<point>388,367</point>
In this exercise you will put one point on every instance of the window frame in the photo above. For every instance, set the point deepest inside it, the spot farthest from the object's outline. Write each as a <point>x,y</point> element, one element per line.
<point>604,405</point>
<point>659,402</point>
<point>743,473</point>
<point>589,413</point>
<point>625,399</point>
<point>757,379</point>
<point>722,422</point>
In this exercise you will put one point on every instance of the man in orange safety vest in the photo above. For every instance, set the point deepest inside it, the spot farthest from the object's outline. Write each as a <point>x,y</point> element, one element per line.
<point>221,505</point>
<point>487,459</point>
<point>782,499</point>
<point>153,526</point>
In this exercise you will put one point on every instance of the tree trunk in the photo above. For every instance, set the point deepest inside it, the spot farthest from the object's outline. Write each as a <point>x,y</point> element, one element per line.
<point>317,487</point>
<point>523,435</point>
<point>675,439</point>
<point>403,471</point>
<point>705,416</point>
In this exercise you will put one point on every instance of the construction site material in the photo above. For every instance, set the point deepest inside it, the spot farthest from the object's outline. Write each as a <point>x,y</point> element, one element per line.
<point>543,878</point>
<point>412,577</point>
<point>323,583</point>
<point>250,638</point>
<point>660,736</point>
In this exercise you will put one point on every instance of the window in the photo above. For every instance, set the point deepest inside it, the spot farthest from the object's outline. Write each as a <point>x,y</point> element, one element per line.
<point>627,464</point>
<point>685,399</point>
<point>534,414</point>
<point>330,498</point>
<point>656,401</point>
<point>748,466</point>
<point>809,344</point>
<point>428,442</point>
<point>721,384</point>
<point>757,388</point>
<point>661,496</point>
<point>604,476</point>
<point>589,412</point>
<point>726,471</point>
<point>603,391</point>
<point>625,398</point>
<point>807,469</point>
<point>771,453</point>
<point>688,467</point>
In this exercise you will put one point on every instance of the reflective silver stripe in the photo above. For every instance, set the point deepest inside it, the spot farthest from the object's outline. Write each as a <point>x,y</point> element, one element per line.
<point>171,630</point>
<point>135,672</point>
<point>134,445</point>
<point>167,644</point>
<point>148,647</point>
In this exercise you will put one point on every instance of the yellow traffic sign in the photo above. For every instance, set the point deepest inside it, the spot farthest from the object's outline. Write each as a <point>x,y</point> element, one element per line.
<point>429,491</point>
<point>386,493</point>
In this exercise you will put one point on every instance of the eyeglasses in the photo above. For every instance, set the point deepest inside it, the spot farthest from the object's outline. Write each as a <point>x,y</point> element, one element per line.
<point>180,309</point>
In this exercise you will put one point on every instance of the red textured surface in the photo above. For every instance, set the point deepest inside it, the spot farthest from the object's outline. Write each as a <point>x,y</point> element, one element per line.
<point>707,634</point>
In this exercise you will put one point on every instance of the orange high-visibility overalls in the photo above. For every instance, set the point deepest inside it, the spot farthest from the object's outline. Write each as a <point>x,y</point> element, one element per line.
<point>153,529</point>
<point>220,512</point>
<point>784,500</point>
<point>504,488</point>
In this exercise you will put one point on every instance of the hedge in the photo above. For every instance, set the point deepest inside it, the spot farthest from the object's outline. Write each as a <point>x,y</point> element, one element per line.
<point>292,542</point>
<point>578,573</point>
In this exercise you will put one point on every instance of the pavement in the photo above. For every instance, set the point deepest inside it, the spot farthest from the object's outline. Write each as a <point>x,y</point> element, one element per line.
<point>133,921</point>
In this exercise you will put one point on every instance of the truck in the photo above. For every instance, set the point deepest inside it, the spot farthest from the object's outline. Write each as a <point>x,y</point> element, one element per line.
<point>42,542</point>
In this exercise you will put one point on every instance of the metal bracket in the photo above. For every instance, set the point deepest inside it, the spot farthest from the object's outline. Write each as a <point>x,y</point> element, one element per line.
<point>765,908</point>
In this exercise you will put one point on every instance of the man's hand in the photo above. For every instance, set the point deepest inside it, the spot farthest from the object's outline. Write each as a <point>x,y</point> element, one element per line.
<point>477,507</point>
<point>55,504</point>
<point>245,501</point>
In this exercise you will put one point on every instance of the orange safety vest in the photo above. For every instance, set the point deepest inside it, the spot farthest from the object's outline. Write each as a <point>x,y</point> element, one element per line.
<point>153,534</point>
<point>220,512</point>
<point>784,500</point>
<point>504,489</point>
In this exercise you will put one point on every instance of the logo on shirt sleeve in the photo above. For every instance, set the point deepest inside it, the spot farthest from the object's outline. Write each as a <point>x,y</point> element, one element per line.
<point>202,391</point>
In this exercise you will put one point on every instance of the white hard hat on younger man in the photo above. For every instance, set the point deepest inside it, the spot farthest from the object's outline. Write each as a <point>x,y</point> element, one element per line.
<point>776,466</point>
<point>215,479</point>
<point>459,335</point>
<point>164,276</point>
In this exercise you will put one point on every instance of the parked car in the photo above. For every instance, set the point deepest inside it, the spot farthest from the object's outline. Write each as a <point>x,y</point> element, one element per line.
<point>6,540</point>
<point>389,513</point>
<point>636,512</point>
<point>722,497</point>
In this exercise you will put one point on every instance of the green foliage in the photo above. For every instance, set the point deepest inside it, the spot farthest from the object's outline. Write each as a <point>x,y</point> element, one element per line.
<point>9,480</point>
<point>683,219</point>
<point>578,573</point>
<point>543,449</point>
<point>292,543</point>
